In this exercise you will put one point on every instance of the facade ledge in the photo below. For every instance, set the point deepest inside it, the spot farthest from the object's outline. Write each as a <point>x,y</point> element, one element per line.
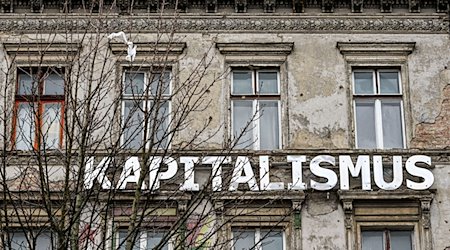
<point>405,23</point>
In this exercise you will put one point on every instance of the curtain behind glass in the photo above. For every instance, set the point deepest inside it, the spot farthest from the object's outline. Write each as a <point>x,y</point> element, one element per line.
<point>269,125</point>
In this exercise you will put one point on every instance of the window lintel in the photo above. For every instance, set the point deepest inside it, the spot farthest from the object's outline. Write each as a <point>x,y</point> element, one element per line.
<point>385,195</point>
<point>31,51</point>
<point>369,48</point>
<point>150,51</point>
<point>255,53</point>
<point>245,49</point>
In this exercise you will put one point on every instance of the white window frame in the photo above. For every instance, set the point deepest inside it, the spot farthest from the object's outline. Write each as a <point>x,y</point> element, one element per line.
<point>258,240</point>
<point>142,238</point>
<point>130,97</point>
<point>376,97</point>
<point>255,99</point>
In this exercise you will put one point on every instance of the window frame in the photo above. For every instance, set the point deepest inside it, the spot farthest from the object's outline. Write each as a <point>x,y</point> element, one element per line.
<point>377,99</point>
<point>28,232</point>
<point>142,238</point>
<point>145,99</point>
<point>258,236</point>
<point>397,210</point>
<point>255,98</point>
<point>38,101</point>
<point>411,226</point>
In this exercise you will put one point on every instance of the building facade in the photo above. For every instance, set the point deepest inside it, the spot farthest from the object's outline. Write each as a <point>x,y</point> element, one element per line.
<point>225,124</point>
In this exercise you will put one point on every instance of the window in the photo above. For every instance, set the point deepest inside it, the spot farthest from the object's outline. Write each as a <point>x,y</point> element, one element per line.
<point>146,109</point>
<point>255,108</point>
<point>260,239</point>
<point>145,240</point>
<point>41,240</point>
<point>378,108</point>
<point>387,240</point>
<point>39,108</point>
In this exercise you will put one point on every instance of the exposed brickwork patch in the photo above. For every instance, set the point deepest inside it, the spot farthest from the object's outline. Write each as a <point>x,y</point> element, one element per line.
<point>437,134</point>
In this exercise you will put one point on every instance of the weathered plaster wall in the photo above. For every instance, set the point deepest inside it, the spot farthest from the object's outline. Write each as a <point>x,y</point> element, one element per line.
<point>319,111</point>
<point>319,90</point>
<point>323,223</point>
<point>440,208</point>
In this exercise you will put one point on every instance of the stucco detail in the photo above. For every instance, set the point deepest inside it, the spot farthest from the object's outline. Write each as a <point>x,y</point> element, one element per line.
<point>233,23</point>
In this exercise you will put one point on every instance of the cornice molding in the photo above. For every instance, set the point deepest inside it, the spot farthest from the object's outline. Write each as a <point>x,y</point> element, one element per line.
<point>219,23</point>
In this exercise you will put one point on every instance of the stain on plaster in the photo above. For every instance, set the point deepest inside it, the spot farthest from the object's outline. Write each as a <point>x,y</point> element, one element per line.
<point>301,120</point>
<point>325,242</point>
<point>321,203</point>
<point>435,134</point>
<point>320,138</point>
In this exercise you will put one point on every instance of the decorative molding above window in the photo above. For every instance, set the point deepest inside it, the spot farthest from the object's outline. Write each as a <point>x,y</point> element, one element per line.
<point>150,51</point>
<point>38,52</point>
<point>402,209</point>
<point>255,52</point>
<point>376,52</point>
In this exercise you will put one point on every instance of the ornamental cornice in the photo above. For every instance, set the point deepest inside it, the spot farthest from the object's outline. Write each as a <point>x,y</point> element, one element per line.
<point>232,23</point>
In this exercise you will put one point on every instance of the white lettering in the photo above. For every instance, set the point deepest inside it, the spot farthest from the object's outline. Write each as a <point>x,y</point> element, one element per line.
<point>412,169</point>
<point>156,175</point>
<point>243,165</point>
<point>319,171</point>
<point>297,172</point>
<point>362,165</point>
<point>379,173</point>
<point>131,165</point>
<point>216,162</point>
<point>91,173</point>
<point>264,176</point>
<point>189,182</point>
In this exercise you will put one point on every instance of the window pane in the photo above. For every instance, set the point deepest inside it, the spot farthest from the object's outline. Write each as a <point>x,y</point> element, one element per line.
<point>121,244</point>
<point>18,241</point>
<point>269,125</point>
<point>123,238</point>
<point>157,82</point>
<point>401,240</point>
<point>389,83</point>
<point>242,123</point>
<point>272,240</point>
<point>242,83</point>
<point>27,85</point>
<point>162,124</point>
<point>268,82</point>
<point>153,239</point>
<point>44,241</point>
<point>134,83</point>
<point>133,124</point>
<point>54,84</point>
<point>51,125</point>
<point>392,124</point>
<point>365,125</point>
<point>372,240</point>
<point>363,82</point>
<point>25,126</point>
<point>243,240</point>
